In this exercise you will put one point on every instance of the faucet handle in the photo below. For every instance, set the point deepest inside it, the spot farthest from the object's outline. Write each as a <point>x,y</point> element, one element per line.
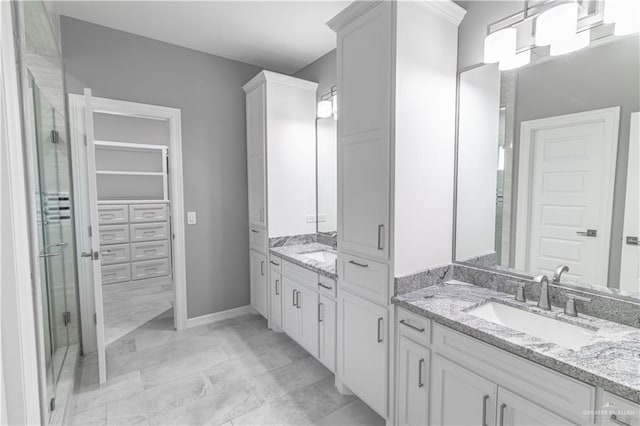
<point>519,291</point>
<point>570,306</point>
<point>571,296</point>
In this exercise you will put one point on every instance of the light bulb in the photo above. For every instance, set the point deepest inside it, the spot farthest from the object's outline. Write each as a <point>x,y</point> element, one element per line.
<point>500,44</point>
<point>558,22</point>
<point>324,109</point>
<point>515,61</point>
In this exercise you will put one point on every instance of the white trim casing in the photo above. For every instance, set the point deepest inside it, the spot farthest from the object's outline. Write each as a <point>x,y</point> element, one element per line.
<point>611,118</point>
<point>134,109</point>
<point>219,316</point>
<point>19,354</point>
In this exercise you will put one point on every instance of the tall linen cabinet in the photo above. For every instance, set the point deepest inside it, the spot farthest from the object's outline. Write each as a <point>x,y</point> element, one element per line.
<point>397,66</point>
<point>281,172</point>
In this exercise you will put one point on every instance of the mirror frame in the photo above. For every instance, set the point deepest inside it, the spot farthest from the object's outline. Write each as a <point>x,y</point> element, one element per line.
<point>586,287</point>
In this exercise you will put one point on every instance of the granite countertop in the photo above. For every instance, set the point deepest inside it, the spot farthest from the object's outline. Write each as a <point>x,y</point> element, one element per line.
<point>611,360</point>
<point>295,254</point>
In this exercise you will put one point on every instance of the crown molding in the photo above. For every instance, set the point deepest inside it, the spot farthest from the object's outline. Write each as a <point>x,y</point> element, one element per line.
<point>274,77</point>
<point>354,10</point>
<point>445,9</point>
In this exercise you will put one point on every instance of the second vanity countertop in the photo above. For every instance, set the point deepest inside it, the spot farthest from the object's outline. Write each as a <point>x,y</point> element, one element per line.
<point>611,360</point>
<point>296,254</point>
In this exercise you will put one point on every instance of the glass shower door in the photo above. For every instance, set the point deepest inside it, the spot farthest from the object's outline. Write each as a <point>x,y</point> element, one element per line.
<point>55,232</point>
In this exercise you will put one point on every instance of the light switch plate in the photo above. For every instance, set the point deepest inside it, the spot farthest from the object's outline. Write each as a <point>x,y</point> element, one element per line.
<point>311,218</point>
<point>191,218</point>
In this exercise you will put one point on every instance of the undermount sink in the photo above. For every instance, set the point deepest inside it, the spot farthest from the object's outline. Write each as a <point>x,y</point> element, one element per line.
<point>323,256</point>
<point>561,333</point>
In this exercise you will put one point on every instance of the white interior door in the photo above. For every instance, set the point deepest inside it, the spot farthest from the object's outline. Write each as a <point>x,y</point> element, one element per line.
<point>630,265</point>
<point>565,194</point>
<point>95,241</point>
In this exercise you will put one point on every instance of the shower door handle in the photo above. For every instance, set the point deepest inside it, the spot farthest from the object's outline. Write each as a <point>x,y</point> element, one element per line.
<point>93,255</point>
<point>61,246</point>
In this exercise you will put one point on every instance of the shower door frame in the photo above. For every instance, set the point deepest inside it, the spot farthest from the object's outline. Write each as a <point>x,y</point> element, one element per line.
<point>133,109</point>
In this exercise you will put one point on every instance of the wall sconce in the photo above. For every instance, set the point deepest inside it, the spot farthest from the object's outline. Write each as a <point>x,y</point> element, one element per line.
<point>563,25</point>
<point>328,104</point>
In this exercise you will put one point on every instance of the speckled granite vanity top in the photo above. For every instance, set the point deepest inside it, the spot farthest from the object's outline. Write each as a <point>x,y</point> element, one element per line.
<point>610,360</point>
<point>296,254</point>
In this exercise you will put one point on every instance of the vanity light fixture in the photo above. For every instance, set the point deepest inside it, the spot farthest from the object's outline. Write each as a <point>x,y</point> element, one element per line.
<point>500,45</point>
<point>328,104</point>
<point>624,14</point>
<point>556,25</point>
<point>570,43</point>
<point>325,109</point>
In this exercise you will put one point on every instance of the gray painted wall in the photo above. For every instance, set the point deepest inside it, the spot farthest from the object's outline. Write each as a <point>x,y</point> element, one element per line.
<point>323,71</point>
<point>208,90</point>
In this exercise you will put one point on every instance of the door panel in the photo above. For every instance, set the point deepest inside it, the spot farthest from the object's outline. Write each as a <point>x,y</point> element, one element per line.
<point>460,397</point>
<point>413,383</point>
<point>362,349</point>
<point>327,332</point>
<point>630,265</point>
<point>256,137</point>
<point>258,275</point>
<point>308,307</point>
<point>276,299</point>
<point>516,411</point>
<point>290,315</point>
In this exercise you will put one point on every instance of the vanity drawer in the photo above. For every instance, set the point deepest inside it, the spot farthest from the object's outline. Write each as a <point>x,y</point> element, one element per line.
<point>150,269</point>
<point>114,234</point>
<point>258,239</point>
<point>112,214</point>
<point>275,263</point>
<point>148,212</point>
<point>563,395</point>
<point>149,231</point>
<point>112,274</point>
<point>115,253</point>
<point>364,278</point>
<point>414,327</point>
<point>150,250</point>
<point>327,286</point>
<point>300,274</point>
<point>620,411</point>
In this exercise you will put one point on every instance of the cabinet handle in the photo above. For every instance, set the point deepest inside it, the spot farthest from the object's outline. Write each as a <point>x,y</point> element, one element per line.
<point>319,309</point>
<point>502,407</point>
<point>418,329</point>
<point>277,293</point>
<point>614,419</point>
<point>255,230</point>
<point>274,263</point>
<point>324,286</point>
<point>380,229</point>
<point>420,364</point>
<point>293,298</point>
<point>297,299</point>
<point>362,265</point>
<point>262,268</point>
<point>379,335</point>
<point>484,410</point>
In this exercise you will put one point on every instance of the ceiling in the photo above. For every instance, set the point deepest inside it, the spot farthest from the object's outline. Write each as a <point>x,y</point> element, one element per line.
<point>282,36</point>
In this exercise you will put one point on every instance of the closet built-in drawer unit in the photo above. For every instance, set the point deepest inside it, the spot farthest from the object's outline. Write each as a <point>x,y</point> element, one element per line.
<point>258,239</point>
<point>112,274</point>
<point>134,242</point>
<point>148,231</point>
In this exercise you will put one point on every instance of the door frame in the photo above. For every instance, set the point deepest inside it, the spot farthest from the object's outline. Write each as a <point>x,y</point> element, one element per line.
<point>611,118</point>
<point>626,258</point>
<point>130,109</point>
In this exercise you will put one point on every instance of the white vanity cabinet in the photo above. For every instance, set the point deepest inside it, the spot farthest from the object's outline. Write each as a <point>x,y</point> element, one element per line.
<point>300,315</point>
<point>619,411</point>
<point>275,290</point>
<point>258,281</point>
<point>413,382</point>
<point>514,410</point>
<point>256,169</point>
<point>327,310</point>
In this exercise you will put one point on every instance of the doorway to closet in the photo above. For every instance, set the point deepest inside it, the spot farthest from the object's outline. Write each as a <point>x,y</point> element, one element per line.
<point>128,174</point>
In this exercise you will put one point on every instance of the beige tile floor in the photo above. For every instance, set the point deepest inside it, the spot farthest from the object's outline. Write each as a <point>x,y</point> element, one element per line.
<point>235,372</point>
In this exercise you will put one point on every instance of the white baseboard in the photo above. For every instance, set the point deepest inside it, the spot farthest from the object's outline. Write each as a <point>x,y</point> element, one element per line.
<point>218,316</point>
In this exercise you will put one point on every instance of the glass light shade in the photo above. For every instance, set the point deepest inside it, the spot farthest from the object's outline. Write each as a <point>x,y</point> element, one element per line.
<point>334,103</point>
<point>325,109</point>
<point>625,14</point>
<point>570,44</point>
<point>500,44</point>
<point>515,61</point>
<point>558,22</point>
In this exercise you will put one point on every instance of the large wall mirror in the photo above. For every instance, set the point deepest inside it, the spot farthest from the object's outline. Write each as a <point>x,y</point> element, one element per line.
<point>548,163</point>
<point>327,165</point>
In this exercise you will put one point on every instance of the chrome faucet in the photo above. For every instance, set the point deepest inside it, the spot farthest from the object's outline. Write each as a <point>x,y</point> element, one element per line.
<point>558,273</point>
<point>570,307</point>
<point>543,300</point>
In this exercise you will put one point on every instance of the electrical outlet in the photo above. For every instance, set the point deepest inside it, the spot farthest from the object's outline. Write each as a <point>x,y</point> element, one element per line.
<point>311,218</point>
<point>191,218</point>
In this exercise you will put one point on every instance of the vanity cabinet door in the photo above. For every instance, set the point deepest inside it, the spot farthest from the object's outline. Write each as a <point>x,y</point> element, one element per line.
<point>327,332</point>
<point>308,306</point>
<point>516,411</point>
<point>276,299</point>
<point>364,49</point>
<point>413,383</point>
<point>258,276</point>
<point>460,397</point>
<point>290,312</point>
<point>256,137</point>
<point>362,349</point>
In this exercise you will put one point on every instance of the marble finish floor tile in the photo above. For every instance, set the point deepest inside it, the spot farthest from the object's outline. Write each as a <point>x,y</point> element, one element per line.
<point>231,372</point>
<point>356,413</point>
<point>127,306</point>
